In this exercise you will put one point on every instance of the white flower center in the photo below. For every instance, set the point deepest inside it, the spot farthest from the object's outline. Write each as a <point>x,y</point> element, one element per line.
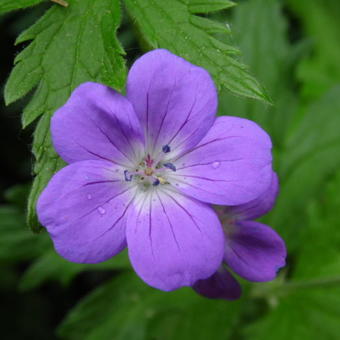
<point>151,171</point>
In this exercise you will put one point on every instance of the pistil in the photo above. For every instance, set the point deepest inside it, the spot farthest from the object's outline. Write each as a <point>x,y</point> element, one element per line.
<point>150,170</point>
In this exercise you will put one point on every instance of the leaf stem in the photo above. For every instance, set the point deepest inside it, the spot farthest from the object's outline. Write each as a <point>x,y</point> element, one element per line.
<point>61,2</point>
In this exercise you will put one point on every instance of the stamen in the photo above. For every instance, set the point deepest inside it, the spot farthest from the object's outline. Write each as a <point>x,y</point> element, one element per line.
<point>156,182</point>
<point>166,148</point>
<point>170,166</point>
<point>163,181</point>
<point>128,176</point>
<point>148,171</point>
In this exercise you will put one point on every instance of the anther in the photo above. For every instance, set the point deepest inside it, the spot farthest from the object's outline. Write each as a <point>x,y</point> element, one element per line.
<point>156,182</point>
<point>127,176</point>
<point>170,166</point>
<point>166,148</point>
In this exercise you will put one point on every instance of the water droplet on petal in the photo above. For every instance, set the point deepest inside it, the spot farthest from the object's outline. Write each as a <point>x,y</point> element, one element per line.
<point>89,196</point>
<point>215,165</point>
<point>101,210</point>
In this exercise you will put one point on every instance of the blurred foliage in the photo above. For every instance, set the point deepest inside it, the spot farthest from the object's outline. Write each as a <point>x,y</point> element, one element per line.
<point>10,5</point>
<point>260,29</point>
<point>320,70</point>
<point>312,295</point>
<point>16,243</point>
<point>140,312</point>
<point>292,48</point>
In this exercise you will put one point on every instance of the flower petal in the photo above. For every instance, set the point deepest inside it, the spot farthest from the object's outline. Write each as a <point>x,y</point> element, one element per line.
<point>255,251</point>
<point>221,285</point>
<point>174,241</point>
<point>231,165</point>
<point>96,123</point>
<point>83,208</point>
<point>259,206</point>
<point>175,100</point>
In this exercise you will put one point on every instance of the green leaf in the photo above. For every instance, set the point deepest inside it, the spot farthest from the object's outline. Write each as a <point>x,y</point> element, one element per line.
<point>210,26</point>
<point>319,71</point>
<point>51,267</point>
<point>127,308</point>
<point>11,5</point>
<point>311,155</point>
<point>271,58</point>
<point>107,311</point>
<point>16,242</point>
<point>308,306</point>
<point>312,314</point>
<point>319,250</point>
<point>69,46</point>
<point>195,318</point>
<point>204,6</point>
<point>170,25</point>
<point>17,195</point>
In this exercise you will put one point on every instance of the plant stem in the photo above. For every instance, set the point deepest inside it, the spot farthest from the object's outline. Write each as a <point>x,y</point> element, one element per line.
<point>283,288</point>
<point>311,283</point>
<point>61,2</point>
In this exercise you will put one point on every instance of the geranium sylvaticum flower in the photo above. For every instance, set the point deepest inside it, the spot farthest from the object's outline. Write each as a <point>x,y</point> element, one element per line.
<point>253,250</point>
<point>145,169</point>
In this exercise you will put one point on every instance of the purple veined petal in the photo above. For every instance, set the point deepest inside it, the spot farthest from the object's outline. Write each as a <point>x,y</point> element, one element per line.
<point>221,285</point>
<point>258,207</point>
<point>175,100</point>
<point>97,123</point>
<point>232,164</point>
<point>255,251</point>
<point>84,209</point>
<point>173,241</point>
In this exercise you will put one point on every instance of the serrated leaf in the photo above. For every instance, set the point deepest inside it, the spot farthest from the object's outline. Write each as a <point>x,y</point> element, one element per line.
<point>127,308</point>
<point>69,46</point>
<point>206,6</point>
<point>168,25</point>
<point>271,59</point>
<point>210,26</point>
<point>51,267</point>
<point>11,5</point>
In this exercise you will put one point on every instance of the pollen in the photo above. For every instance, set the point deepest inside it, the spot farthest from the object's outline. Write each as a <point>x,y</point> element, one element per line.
<point>148,171</point>
<point>162,180</point>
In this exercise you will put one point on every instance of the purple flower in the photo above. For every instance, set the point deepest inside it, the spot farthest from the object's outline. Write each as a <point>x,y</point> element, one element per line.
<point>252,250</point>
<point>145,168</point>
